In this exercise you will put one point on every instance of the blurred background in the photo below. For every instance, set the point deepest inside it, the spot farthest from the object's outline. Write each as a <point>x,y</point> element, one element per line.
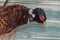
<point>34,31</point>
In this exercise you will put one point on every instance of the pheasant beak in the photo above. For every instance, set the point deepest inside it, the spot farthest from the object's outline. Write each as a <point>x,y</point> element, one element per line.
<point>44,23</point>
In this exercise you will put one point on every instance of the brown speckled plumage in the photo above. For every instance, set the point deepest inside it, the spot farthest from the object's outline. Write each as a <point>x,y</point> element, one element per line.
<point>11,17</point>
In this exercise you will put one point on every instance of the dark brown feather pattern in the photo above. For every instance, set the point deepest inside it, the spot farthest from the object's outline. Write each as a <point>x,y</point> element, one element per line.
<point>11,17</point>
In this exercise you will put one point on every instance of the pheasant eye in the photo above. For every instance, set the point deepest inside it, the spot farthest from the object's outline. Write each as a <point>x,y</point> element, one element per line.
<point>41,18</point>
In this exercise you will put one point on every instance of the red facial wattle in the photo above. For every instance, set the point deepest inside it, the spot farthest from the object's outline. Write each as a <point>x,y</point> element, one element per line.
<point>42,18</point>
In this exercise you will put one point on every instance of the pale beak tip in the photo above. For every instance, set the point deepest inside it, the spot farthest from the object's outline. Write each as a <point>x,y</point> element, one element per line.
<point>44,23</point>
